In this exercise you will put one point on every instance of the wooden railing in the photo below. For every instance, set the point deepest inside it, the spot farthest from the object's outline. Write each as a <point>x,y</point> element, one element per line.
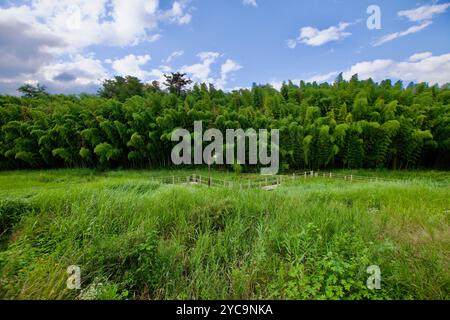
<point>263,181</point>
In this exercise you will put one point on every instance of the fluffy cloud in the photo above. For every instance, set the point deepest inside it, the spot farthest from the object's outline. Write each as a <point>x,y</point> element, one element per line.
<point>422,15</point>
<point>375,69</point>
<point>230,66</point>
<point>319,78</point>
<point>41,36</point>
<point>131,65</point>
<point>158,74</point>
<point>130,22</point>
<point>395,35</point>
<point>424,12</point>
<point>202,72</point>
<point>134,66</point>
<point>322,77</point>
<point>80,70</point>
<point>227,68</point>
<point>250,3</point>
<point>177,14</point>
<point>78,74</point>
<point>421,67</point>
<point>173,55</point>
<point>24,50</point>
<point>314,37</point>
<point>420,56</point>
<point>83,23</point>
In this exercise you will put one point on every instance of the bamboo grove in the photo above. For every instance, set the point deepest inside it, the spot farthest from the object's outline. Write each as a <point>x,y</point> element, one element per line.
<point>346,124</point>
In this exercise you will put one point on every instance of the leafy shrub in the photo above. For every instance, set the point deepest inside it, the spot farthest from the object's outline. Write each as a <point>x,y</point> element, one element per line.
<point>102,291</point>
<point>11,211</point>
<point>340,273</point>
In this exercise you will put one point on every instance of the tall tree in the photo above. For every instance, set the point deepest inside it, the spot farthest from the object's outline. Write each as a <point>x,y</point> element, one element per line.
<point>30,91</point>
<point>121,88</point>
<point>177,82</point>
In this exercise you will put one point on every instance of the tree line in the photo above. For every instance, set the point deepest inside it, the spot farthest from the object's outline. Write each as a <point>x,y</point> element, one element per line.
<point>128,124</point>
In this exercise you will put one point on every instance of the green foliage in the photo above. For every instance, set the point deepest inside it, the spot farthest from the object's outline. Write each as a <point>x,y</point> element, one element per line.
<point>237,168</point>
<point>121,88</point>
<point>349,124</point>
<point>11,211</point>
<point>335,274</point>
<point>106,152</point>
<point>308,239</point>
<point>176,82</point>
<point>30,91</point>
<point>102,291</point>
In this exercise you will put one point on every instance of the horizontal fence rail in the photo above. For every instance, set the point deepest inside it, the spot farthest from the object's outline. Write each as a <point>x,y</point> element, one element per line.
<point>262,182</point>
<point>265,182</point>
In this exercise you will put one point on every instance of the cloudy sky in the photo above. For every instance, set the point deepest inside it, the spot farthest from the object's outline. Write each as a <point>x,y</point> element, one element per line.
<point>71,45</point>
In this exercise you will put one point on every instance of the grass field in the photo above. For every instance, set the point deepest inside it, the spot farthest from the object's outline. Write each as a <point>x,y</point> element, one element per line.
<point>138,239</point>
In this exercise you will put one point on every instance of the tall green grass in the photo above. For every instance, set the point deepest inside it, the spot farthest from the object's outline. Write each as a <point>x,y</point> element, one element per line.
<point>137,239</point>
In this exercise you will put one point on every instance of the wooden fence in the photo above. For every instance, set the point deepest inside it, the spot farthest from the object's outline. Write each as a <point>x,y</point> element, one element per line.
<point>263,181</point>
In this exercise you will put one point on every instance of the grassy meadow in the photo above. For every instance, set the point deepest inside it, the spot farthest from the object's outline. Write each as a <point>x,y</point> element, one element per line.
<point>134,238</point>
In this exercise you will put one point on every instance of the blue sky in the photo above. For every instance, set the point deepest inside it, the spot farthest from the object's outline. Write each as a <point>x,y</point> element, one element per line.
<point>71,46</point>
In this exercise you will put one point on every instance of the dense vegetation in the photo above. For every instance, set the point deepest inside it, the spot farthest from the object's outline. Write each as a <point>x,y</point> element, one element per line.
<point>347,124</point>
<point>137,239</point>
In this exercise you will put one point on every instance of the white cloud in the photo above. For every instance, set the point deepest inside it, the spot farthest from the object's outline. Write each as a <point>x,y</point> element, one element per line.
<point>423,15</point>
<point>250,3</point>
<point>24,49</point>
<point>395,35</point>
<point>78,74</point>
<point>177,13</point>
<point>276,84</point>
<point>82,23</point>
<point>319,78</point>
<point>230,66</point>
<point>173,55</point>
<point>131,65</point>
<point>80,70</point>
<point>314,37</point>
<point>420,56</point>
<point>227,68</point>
<point>157,74</point>
<point>424,12</point>
<point>165,68</point>
<point>41,35</point>
<point>418,68</point>
<point>201,72</point>
<point>369,69</point>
